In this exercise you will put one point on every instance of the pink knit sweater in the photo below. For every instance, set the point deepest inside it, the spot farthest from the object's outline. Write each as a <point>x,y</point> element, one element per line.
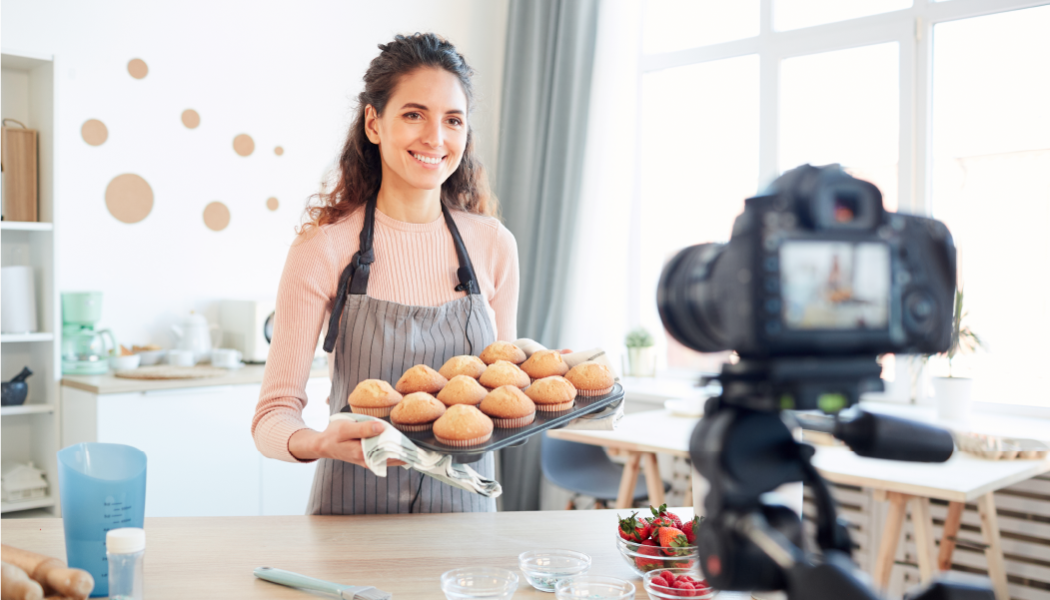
<point>415,264</point>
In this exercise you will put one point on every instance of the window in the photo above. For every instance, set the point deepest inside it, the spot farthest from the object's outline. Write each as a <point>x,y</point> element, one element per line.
<point>941,104</point>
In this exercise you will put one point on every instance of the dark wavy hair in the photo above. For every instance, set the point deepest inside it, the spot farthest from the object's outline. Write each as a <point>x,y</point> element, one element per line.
<point>360,165</point>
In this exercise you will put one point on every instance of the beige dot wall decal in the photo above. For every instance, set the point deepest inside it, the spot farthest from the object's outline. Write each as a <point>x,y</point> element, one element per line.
<point>129,198</point>
<point>243,144</point>
<point>94,132</point>
<point>190,118</point>
<point>278,151</point>
<point>271,203</point>
<point>137,68</point>
<point>216,216</point>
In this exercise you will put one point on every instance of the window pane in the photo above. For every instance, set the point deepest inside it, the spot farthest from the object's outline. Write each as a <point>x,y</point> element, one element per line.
<point>991,154</point>
<point>843,107</point>
<point>672,25</point>
<point>699,160</point>
<point>794,14</point>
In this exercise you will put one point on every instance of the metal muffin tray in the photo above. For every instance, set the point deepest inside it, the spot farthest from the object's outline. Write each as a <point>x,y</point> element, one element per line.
<point>505,438</point>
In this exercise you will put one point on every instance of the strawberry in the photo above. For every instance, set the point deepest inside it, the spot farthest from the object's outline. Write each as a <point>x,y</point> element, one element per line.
<point>691,530</point>
<point>673,542</point>
<point>648,548</point>
<point>663,512</point>
<point>634,529</point>
<point>656,524</point>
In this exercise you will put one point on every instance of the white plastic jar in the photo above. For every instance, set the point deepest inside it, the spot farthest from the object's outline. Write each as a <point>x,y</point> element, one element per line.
<point>125,553</point>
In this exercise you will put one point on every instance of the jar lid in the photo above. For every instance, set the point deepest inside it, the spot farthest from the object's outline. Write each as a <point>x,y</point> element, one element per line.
<point>125,540</point>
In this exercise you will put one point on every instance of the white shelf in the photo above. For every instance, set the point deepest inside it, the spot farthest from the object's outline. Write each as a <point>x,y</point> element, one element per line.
<point>26,226</point>
<point>6,507</point>
<point>27,409</point>
<point>26,337</point>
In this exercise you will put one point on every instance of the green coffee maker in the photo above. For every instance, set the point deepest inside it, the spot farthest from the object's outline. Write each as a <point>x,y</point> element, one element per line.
<point>84,350</point>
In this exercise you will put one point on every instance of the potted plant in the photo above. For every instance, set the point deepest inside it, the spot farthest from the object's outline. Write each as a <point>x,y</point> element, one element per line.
<point>641,353</point>
<point>953,393</point>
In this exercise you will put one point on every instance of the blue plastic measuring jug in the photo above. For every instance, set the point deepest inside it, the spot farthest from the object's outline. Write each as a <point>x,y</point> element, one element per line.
<point>102,487</point>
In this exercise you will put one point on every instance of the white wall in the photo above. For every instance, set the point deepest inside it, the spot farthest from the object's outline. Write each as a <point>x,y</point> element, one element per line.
<point>284,73</point>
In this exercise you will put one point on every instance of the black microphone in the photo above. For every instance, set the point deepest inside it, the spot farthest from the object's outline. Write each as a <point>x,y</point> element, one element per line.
<point>464,280</point>
<point>893,438</point>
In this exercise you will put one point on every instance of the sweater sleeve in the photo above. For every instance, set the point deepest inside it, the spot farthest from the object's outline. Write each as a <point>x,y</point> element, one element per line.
<point>504,300</point>
<point>308,284</point>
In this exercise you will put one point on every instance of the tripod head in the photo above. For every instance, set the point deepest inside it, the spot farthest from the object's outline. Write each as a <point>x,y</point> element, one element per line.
<point>744,447</point>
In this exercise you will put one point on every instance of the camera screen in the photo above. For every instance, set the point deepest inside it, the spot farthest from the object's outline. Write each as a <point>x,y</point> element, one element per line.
<point>835,285</point>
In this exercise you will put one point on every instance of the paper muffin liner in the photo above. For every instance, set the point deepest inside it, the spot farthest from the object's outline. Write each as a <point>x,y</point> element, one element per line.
<point>383,411</point>
<point>601,392</point>
<point>463,443</point>
<point>555,407</point>
<point>515,422</point>
<point>407,427</point>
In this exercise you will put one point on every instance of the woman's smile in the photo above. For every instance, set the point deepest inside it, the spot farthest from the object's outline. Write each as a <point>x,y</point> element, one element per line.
<point>427,161</point>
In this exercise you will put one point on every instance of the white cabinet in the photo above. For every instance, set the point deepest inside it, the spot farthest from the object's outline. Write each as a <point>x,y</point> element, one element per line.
<point>30,431</point>
<point>201,458</point>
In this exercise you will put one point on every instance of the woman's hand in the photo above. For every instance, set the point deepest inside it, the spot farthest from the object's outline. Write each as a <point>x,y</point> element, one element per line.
<point>341,440</point>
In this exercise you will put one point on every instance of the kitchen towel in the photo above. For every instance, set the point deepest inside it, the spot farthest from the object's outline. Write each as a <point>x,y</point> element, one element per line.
<point>393,445</point>
<point>18,297</point>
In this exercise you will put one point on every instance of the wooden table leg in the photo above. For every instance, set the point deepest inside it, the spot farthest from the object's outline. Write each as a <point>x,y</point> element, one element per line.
<point>951,529</point>
<point>993,551</point>
<point>629,480</point>
<point>922,525</point>
<point>653,482</point>
<point>891,534</point>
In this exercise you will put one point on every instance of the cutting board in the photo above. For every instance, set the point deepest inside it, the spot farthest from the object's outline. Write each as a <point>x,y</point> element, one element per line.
<point>171,372</point>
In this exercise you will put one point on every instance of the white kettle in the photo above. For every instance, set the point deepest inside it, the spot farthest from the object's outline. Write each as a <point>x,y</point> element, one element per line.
<point>194,334</point>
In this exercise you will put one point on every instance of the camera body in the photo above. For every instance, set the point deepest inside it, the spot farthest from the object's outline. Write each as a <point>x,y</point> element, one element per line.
<point>815,267</point>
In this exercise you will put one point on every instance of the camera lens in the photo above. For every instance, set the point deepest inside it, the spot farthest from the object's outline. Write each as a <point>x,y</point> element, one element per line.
<point>685,298</point>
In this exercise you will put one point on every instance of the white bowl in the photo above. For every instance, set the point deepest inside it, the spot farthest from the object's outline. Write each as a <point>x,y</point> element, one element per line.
<point>123,363</point>
<point>151,357</point>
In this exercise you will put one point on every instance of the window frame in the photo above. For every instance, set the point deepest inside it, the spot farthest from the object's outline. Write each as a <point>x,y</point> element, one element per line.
<point>911,28</point>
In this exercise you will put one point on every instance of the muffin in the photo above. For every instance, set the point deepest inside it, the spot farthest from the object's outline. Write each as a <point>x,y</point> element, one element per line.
<point>503,351</point>
<point>373,397</point>
<point>545,363</point>
<point>462,389</point>
<point>509,407</point>
<point>552,394</point>
<point>462,365</point>
<point>591,379</point>
<point>417,412</point>
<point>421,378</point>
<point>501,373</point>
<point>463,425</point>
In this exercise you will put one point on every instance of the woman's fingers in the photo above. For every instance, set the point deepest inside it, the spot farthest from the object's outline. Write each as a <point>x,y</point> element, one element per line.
<point>566,351</point>
<point>351,430</point>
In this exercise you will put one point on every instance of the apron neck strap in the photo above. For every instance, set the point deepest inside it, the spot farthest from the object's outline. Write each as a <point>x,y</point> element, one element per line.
<point>467,281</point>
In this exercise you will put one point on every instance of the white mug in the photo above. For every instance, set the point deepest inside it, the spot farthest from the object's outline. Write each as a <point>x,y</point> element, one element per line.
<point>182,358</point>
<point>226,358</point>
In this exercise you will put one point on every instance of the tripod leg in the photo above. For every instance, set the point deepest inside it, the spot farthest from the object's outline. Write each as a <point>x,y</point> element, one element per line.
<point>891,534</point>
<point>994,549</point>
<point>922,524</point>
<point>951,529</point>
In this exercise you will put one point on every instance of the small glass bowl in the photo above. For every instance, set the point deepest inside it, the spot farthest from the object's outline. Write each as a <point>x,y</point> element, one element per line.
<point>643,559</point>
<point>545,568</point>
<point>594,587</point>
<point>472,583</point>
<point>664,593</point>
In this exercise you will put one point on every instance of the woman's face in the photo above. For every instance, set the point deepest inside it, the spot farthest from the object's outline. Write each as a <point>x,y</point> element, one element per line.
<point>423,131</point>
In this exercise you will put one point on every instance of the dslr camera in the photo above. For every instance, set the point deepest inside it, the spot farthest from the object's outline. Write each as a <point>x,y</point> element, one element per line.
<point>816,281</point>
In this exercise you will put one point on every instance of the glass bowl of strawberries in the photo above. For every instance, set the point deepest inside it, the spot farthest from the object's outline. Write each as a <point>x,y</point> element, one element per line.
<point>662,541</point>
<point>676,583</point>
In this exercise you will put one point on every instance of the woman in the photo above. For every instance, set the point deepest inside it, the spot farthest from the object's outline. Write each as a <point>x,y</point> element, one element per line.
<point>403,259</point>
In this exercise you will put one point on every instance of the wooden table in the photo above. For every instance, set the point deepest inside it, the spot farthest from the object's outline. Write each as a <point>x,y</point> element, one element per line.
<point>641,436</point>
<point>213,557</point>
<point>962,479</point>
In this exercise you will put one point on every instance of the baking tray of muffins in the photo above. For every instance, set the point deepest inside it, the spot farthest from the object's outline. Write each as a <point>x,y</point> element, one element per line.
<point>477,404</point>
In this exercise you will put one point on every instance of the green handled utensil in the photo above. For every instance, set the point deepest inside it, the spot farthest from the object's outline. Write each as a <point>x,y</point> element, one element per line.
<point>347,592</point>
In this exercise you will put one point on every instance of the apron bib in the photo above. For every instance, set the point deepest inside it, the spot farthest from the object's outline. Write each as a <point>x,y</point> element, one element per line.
<point>378,339</point>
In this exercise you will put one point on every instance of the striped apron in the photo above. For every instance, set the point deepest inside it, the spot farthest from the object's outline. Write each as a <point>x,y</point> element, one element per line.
<point>377,339</point>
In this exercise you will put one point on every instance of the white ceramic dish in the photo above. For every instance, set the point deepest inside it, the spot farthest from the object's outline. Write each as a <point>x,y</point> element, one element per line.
<point>124,363</point>
<point>151,357</point>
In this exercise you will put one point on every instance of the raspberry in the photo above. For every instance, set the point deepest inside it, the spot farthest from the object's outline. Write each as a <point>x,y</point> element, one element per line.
<point>685,588</point>
<point>669,576</point>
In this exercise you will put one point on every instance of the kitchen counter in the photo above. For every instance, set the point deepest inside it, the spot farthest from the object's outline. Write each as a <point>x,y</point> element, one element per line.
<point>108,384</point>
<point>213,557</point>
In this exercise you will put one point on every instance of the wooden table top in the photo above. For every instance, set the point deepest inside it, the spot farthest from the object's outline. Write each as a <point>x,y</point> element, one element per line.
<point>213,557</point>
